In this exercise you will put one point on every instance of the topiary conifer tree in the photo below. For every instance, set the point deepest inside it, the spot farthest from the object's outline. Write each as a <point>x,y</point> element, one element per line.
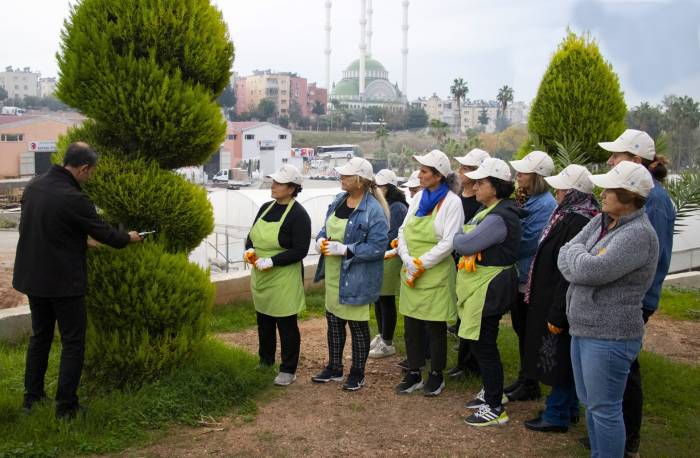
<point>147,73</point>
<point>579,100</point>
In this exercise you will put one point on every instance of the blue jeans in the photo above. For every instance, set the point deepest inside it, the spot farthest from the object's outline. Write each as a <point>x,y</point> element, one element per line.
<point>561,405</point>
<point>600,371</point>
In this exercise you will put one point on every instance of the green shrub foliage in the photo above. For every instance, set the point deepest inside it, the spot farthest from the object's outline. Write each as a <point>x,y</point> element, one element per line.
<point>148,310</point>
<point>579,99</point>
<point>147,73</point>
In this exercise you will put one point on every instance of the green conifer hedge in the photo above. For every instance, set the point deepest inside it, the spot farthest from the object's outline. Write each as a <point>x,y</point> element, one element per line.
<point>147,73</point>
<point>579,99</point>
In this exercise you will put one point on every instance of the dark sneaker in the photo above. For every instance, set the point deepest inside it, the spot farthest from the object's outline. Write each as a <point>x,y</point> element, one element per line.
<point>411,382</point>
<point>328,375</point>
<point>403,364</point>
<point>70,413</point>
<point>513,386</point>
<point>354,382</point>
<point>525,393</point>
<point>455,372</point>
<point>29,403</point>
<point>488,416</point>
<point>541,425</point>
<point>434,385</point>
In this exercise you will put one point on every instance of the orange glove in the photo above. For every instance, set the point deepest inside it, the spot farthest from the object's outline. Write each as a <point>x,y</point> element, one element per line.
<point>249,256</point>
<point>553,329</point>
<point>468,263</point>
<point>415,274</point>
<point>395,243</point>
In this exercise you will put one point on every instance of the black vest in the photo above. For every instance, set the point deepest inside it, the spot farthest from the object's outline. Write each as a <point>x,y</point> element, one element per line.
<point>506,252</point>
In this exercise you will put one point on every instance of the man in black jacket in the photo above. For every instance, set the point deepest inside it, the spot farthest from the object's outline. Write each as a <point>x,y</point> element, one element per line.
<point>50,268</point>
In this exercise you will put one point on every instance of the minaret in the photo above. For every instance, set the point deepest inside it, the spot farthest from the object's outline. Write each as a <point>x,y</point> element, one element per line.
<point>327,51</point>
<point>363,46</point>
<point>369,28</point>
<point>404,50</point>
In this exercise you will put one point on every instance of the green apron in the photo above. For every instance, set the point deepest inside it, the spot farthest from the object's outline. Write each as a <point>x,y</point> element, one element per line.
<point>472,288</point>
<point>335,230</point>
<point>391,284</point>
<point>433,296</point>
<point>279,291</point>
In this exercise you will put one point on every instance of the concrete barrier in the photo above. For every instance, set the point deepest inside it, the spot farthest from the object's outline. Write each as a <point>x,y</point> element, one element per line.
<point>683,280</point>
<point>15,324</point>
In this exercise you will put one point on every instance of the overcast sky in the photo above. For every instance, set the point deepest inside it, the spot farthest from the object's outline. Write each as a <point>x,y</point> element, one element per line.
<point>653,45</point>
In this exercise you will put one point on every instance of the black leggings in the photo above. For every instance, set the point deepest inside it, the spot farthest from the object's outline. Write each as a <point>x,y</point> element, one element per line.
<point>290,340</point>
<point>415,336</point>
<point>385,312</point>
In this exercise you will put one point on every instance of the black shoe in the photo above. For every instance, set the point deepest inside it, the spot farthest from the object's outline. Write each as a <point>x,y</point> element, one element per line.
<point>29,403</point>
<point>513,386</point>
<point>403,364</point>
<point>525,393</point>
<point>586,442</point>
<point>541,425</point>
<point>354,382</point>
<point>435,384</point>
<point>70,412</point>
<point>328,375</point>
<point>573,419</point>
<point>455,372</point>
<point>411,382</point>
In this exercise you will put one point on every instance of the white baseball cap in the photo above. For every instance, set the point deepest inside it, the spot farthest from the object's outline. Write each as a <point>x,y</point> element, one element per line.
<point>491,167</point>
<point>632,141</point>
<point>357,166</point>
<point>626,175</point>
<point>413,181</point>
<point>287,174</point>
<point>436,159</point>
<point>473,158</point>
<point>384,177</point>
<point>537,162</point>
<point>573,176</point>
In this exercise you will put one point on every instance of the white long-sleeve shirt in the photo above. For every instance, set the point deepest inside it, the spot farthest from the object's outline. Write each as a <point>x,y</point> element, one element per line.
<point>448,221</point>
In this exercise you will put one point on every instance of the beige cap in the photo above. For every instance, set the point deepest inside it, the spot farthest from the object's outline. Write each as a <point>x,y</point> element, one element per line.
<point>357,166</point>
<point>436,159</point>
<point>632,141</point>
<point>413,181</point>
<point>573,176</point>
<point>384,177</point>
<point>537,162</point>
<point>491,167</point>
<point>287,174</point>
<point>626,175</point>
<point>473,158</point>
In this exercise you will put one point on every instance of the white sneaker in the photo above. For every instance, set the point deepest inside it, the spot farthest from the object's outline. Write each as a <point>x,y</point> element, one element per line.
<point>373,344</point>
<point>382,350</point>
<point>284,379</point>
<point>479,401</point>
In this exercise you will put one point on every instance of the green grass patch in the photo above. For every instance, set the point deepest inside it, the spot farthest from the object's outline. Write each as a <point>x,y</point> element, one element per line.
<point>680,304</point>
<point>214,381</point>
<point>239,315</point>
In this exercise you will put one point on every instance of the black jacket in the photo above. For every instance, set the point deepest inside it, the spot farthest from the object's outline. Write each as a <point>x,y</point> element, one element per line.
<point>56,219</point>
<point>547,356</point>
<point>294,235</point>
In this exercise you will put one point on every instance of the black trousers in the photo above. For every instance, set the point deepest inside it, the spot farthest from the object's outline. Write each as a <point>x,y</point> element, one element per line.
<point>71,316</point>
<point>415,333</point>
<point>359,330</point>
<point>290,340</point>
<point>465,357</point>
<point>489,358</point>
<point>633,401</point>
<point>518,317</point>
<point>385,312</point>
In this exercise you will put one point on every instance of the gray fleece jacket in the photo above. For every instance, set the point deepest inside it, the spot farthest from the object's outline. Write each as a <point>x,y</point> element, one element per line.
<point>609,276</point>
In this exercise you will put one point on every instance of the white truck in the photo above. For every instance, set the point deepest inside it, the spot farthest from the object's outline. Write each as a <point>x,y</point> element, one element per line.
<point>232,177</point>
<point>13,111</point>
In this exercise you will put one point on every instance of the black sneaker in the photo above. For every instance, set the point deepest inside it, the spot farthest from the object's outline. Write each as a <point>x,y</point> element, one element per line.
<point>29,403</point>
<point>487,416</point>
<point>411,382</point>
<point>435,384</point>
<point>354,382</point>
<point>328,375</point>
<point>513,386</point>
<point>455,372</point>
<point>70,413</point>
<point>403,364</point>
<point>525,393</point>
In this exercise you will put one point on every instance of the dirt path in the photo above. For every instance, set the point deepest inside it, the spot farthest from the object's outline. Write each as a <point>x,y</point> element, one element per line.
<point>8,296</point>
<point>323,420</point>
<point>675,339</point>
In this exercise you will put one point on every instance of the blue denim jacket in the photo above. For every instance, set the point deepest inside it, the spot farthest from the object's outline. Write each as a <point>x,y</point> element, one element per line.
<point>662,216</point>
<point>362,270</point>
<point>538,210</point>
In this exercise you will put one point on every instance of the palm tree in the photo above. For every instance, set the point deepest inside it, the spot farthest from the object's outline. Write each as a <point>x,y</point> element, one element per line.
<point>381,134</point>
<point>438,129</point>
<point>504,97</point>
<point>459,90</point>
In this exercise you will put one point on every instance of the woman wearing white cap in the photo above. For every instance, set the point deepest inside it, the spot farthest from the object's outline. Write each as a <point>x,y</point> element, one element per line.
<point>413,184</point>
<point>610,265</point>
<point>427,289</point>
<point>353,241</point>
<point>547,340</point>
<point>276,245</point>
<point>637,146</point>
<point>468,163</point>
<point>385,308</point>
<point>537,202</point>
<point>487,282</point>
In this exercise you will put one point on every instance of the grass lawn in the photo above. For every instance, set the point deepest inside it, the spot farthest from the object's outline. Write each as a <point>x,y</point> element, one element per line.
<point>680,304</point>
